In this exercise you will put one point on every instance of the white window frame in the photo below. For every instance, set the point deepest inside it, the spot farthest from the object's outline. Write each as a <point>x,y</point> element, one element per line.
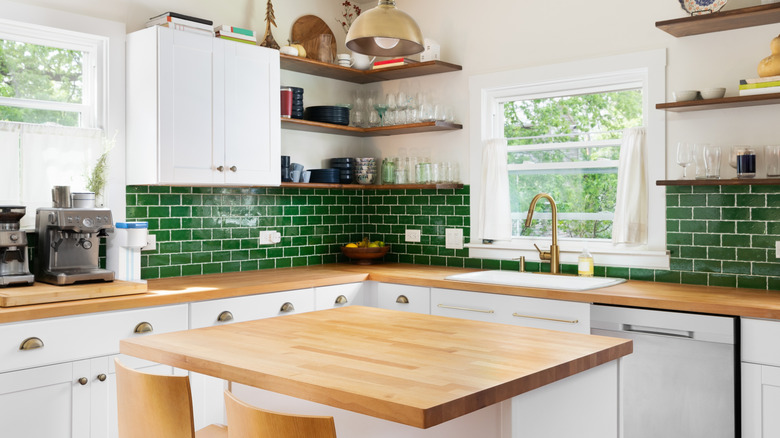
<point>645,68</point>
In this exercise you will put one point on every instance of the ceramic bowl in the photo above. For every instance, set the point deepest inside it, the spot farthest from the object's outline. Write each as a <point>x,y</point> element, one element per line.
<point>366,178</point>
<point>365,256</point>
<point>713,93</point>
<point>685,95</point>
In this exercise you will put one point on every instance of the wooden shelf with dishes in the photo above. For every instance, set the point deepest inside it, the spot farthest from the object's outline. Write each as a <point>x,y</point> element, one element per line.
<point>329,128</point>
<point>720,182</point>
<point>720,21</point>
<point>374,186</point>
<point>723,102</point>
<point>333,71</point>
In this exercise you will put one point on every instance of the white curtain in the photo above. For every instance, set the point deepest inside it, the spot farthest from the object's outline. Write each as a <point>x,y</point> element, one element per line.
<point>494,216</point>
<point>630,222</point>
<point>38,157</point>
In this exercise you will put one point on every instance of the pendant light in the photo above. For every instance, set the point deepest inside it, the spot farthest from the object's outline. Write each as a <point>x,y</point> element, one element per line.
<point>385,31</point>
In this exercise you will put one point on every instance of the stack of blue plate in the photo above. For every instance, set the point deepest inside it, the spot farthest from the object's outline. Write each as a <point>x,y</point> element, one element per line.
<point>337,115</point>
<point>328,176</point>
<point>346,168</point>
<point>297,103</point>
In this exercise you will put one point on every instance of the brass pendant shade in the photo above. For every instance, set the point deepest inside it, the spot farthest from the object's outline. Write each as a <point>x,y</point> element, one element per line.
<point>385,31</point>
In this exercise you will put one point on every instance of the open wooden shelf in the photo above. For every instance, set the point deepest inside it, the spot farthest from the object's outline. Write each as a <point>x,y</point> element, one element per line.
<point>333,71</point>
<point>373,186</point>
<point>724,20</point>
<point>720,182</point>
<point>329,128</point>
<point>723,102</point>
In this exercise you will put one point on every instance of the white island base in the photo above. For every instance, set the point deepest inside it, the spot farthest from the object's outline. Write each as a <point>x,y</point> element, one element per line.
<point>584,405</point>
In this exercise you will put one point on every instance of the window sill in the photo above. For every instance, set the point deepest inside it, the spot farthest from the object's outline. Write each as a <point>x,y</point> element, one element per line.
<point>611,256</point>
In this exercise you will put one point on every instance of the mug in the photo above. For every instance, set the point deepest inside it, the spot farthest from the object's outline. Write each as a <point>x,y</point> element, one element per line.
<point>344,59</point>
<point>361,61</point>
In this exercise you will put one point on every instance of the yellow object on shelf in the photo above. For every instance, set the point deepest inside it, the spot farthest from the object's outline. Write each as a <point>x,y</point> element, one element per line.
<point>770,66</point>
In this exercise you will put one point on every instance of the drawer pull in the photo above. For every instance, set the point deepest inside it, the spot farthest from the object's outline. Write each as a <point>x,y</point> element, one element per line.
<point>143,327</point>
<point>287,307</point>
<point>567,321</point>
<point>233,168</point>
<point>225,316</point>
<point>31,344</point>
<point>402,299</point>
<point>220,168</point>
<point>102,377</point>
<point>341,299</point>
<point>83,381</point>
<point>467,309</point>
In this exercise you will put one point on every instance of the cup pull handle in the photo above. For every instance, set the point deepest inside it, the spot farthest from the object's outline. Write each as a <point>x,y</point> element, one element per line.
<point>101,377</point>
<point>143,327</point>
<point>31,344</point>
<point>402,299</point>
<point>233,168</point>
<point>341,299</point>
<point>225,316</point>
<point>287,307</point>
<point>220,168</point>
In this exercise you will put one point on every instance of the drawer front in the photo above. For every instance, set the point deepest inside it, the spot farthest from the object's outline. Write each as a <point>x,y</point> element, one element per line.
<point>78,337</point>
<point>467,305</point>
<point>759,341</point>
<point>404,297</point>
<point>565,316</point>
<point>239,309</point>
<point>339,295</point>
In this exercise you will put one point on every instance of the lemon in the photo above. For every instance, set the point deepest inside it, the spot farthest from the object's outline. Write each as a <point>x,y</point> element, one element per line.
<point>373,245</point>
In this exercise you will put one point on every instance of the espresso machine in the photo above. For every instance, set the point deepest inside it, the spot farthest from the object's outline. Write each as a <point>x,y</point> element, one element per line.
<point>14,264</point>
<point>69,243</point>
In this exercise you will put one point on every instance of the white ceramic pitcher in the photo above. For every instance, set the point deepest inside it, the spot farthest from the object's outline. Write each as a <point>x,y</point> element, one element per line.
<point>361,61</point>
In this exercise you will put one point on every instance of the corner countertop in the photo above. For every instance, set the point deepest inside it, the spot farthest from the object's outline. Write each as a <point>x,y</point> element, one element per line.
<point>755,303</point>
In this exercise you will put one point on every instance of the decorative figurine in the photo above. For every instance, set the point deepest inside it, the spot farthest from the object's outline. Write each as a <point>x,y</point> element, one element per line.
<point>268,38</point>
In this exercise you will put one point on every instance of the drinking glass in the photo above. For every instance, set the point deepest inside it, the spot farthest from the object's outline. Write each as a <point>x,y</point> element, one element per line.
<point>684,157</point>
<point>711,161</point>
<point>773,161</point>
<point>697,151</point>
<point>391,108</point>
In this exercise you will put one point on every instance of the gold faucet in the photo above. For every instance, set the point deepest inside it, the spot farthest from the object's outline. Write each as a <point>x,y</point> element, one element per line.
<point>554,254</point>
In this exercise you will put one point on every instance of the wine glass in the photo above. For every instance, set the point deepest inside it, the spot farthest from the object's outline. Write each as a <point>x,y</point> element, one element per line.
<point>400,115</point>
<point>684,157</point>
<point>381,108</point>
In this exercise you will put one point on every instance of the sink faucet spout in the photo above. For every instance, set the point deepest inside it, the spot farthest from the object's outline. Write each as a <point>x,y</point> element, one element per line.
<point>553,255</point>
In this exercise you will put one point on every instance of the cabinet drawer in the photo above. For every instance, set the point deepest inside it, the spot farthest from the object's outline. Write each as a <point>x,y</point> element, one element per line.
<point>238,309</point>
<point>759,341</point>
<point>404,297</point>
<point>339,295</point>
<point>467,305</point>
<point>78,337</point>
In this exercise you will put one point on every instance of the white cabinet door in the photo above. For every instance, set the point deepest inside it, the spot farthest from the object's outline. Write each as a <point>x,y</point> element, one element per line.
<point>760,401</point>
<point>338,295</point>
<point>404,297</point>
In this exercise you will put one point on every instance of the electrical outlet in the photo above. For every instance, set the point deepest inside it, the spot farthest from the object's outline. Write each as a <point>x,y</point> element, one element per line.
<point>269,238</point>
<point>412,235</point>
<point>453,238</point>
<point>777,249</point>
<point>151,243</point>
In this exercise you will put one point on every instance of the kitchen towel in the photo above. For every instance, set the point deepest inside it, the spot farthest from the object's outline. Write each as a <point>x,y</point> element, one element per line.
<point>629,225</point>
<point>494,216</point>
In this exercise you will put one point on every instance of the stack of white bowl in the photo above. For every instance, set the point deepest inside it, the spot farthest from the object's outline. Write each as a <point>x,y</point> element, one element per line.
<point>365,170</point>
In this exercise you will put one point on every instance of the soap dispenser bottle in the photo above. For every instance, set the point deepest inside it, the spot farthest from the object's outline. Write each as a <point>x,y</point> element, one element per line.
<point>585,264</point>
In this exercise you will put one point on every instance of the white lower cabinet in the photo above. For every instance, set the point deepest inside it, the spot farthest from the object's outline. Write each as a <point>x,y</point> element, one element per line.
<point>566,316</point>
<point>404,297</point>
<point>760,378</point>
<point>339,295</point>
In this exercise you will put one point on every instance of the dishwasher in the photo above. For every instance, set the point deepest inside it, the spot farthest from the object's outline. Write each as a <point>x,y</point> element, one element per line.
<point>682,378</point>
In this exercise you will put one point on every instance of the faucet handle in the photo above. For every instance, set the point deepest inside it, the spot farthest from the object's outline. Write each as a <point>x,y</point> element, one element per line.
<point>543,255</point>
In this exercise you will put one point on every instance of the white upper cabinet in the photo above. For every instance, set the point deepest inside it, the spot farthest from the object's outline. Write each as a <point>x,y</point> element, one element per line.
<point>201,110</point>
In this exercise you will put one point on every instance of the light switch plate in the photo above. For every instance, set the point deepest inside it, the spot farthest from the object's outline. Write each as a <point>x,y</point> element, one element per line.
<point>412,235</point>
<point>777,249</point>
<point>151,243</point>
<point>453,238</point>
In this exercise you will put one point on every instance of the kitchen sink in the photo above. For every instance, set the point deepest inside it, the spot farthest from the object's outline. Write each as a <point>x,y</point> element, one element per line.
<point>539,281</point>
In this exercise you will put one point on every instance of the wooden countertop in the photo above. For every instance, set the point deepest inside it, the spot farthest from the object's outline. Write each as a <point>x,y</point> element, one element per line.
<point>690,298</point>
<point>419,370</point>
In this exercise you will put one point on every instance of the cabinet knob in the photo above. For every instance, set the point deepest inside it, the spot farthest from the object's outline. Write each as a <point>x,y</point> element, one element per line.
<point>221,168</point>
<point>31,344</point>
<point>225,316</point>
<point>82,381</point>
<point>402,299</point>
<point>287,307</point>
<point>341,299</point>
<point>233,168</point>
<point>101,377</point>
<point>143,327</point>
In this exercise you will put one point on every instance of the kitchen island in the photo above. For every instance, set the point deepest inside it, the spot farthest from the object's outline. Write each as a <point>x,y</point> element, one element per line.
<point>411,374</point>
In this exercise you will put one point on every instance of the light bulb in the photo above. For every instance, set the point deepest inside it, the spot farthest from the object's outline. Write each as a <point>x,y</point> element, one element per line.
<point>386,43</point>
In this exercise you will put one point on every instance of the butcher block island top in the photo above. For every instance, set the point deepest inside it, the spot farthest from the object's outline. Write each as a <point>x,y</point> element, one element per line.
<point>415,369</point>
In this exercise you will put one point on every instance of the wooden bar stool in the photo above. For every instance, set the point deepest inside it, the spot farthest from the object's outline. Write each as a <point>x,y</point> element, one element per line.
<point>248,421</point>
<point>154,406</point>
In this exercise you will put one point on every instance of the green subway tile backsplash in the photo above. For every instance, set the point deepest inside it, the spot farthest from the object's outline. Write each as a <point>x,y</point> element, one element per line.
<point>717,235</point>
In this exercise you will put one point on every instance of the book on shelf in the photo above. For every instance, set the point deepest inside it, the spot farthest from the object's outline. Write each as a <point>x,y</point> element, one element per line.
<point>759,85</point>
<point>238,40</point>
<point>179,21</point>
<point>759,80</point>
<point>225,28</point>
<point>186,28</point>
<point>757,91</point>
<point>238,36</point>
<point>393,63</point>
<point>183,17</point>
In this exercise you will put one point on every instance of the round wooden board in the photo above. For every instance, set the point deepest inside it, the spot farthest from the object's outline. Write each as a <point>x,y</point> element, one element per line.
<point>307,30</point>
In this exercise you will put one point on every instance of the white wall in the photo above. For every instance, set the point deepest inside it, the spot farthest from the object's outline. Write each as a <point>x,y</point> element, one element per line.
<point>500,35</point>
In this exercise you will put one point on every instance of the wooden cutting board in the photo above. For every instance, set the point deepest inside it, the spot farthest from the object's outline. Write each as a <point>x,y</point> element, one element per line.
<point>307,30</point>
<point>40,293</point>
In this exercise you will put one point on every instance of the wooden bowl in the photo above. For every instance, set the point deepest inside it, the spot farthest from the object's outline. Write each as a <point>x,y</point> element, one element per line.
<point>365,256</point>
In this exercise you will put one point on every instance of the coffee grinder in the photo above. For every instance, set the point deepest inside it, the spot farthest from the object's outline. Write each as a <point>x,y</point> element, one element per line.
<point>14,264</point>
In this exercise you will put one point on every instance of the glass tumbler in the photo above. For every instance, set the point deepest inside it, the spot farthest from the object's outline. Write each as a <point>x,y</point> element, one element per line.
<point>711,161</point>
<point>773,161</point>
<point>388,171</point>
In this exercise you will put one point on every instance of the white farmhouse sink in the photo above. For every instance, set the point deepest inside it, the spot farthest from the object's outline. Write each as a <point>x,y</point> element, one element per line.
<point>540,281</point>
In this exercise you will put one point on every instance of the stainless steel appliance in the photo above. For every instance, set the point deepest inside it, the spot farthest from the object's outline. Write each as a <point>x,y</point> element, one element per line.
<point>68,244</point>
<point>681,380</point>
<point>14,264</point>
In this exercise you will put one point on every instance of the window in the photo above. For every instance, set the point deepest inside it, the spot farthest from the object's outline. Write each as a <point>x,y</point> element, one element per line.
<point>564,125</point>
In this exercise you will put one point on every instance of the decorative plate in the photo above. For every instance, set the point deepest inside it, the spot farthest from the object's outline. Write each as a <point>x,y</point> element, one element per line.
<point>698,7</point>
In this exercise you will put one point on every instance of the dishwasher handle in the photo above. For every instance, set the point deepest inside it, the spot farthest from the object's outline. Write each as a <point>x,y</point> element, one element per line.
<point>646,330</point>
